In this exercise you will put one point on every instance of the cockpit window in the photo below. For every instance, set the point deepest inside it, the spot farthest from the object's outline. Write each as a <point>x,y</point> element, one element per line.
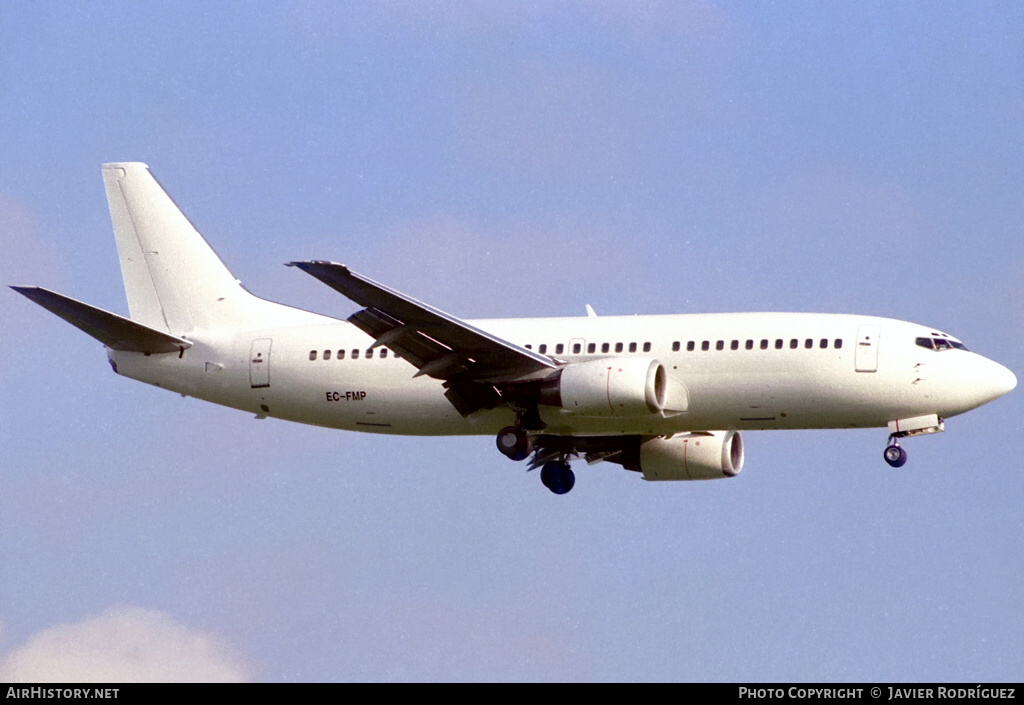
<point>937,343</point>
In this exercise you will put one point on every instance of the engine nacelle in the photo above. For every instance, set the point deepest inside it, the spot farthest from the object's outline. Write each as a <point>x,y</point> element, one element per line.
<point>614,386</point>
<point>692,456</point>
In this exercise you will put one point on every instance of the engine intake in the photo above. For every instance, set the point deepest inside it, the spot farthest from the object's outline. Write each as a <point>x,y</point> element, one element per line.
<point>692,456</point>
<point>627,387</point>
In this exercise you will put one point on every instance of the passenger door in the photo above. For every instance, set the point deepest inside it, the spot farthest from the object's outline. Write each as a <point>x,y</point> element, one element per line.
<point>259,363</point>
<point>866,354</point>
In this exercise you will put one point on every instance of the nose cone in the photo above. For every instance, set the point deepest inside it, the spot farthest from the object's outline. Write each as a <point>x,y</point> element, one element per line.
<point>1003,380</point>
<point>967,380</point>
<point>993,381</point>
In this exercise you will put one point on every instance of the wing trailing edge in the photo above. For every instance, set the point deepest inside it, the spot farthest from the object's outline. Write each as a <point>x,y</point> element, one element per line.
<point>438,344</point>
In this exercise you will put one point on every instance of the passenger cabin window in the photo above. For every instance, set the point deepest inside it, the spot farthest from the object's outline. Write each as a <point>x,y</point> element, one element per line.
<point>632,347</point>
<point>706,345</point>
<point>778,343</point>
<point>559,348</point>
<point>647,347</point>
<point>764,344</point>
<point>604,347</point>
<point>690,345</point>
<point>808,343</point>
<point>720,345</point>
<point>734,345</point>
<point>750,345</point>
<point>576,347</point>
<point>591,347</point>
<point>341,354</point>
<point>383,352</point>
<point>312,354</point>
<point>369,353</point>
<point>793,344</point>
<point>618,347</point>
<point>327,354</point>
<point>824,343</point>
<point>542,348</point>
<point>675,346</point>
<point>355,354</point>
<point>838,343</point>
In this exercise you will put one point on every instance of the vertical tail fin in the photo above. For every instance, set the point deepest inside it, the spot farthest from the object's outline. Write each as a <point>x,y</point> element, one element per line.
<point>174,280</point>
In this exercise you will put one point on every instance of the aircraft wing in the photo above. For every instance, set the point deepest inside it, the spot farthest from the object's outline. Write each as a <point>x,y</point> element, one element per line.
<point>436,343</point>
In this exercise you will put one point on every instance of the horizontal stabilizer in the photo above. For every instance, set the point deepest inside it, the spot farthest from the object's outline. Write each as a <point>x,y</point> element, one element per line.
<point>114,331</point>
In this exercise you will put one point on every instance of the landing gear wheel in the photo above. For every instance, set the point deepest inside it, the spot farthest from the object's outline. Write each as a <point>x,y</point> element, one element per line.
<point>895,456</point>
<point>514,443</point>
<point>557,476</point>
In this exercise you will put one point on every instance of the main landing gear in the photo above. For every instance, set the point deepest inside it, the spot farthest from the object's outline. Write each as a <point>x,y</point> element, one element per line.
<point>513,441</point>
<point>894,454</point>
<point>515,444</point>
<point>557,476</point>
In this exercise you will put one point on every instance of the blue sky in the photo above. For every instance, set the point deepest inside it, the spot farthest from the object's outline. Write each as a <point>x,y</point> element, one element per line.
<point>523,159</point>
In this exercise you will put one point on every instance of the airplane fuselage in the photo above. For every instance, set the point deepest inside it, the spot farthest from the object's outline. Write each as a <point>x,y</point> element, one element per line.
<point>743,371</point>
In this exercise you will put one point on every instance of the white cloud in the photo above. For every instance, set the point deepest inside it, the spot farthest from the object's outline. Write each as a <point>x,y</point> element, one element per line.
<point>124,644</point>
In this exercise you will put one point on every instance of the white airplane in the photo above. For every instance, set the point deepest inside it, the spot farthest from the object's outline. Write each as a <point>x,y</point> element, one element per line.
<point>665,396</point>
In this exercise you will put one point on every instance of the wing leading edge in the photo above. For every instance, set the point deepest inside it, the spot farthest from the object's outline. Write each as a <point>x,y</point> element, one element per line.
<point>470,361</point>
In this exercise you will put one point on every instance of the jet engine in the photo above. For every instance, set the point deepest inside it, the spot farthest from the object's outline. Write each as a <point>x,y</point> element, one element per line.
<point>626,387</point>
<point>692,456</point>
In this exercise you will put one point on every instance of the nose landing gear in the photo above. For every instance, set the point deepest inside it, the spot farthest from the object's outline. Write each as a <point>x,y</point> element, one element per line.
<point>905,428</point>
<point>894,454</point>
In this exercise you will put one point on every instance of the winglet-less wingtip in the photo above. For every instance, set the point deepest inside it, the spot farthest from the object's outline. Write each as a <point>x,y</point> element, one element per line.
<point>306,266</point>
